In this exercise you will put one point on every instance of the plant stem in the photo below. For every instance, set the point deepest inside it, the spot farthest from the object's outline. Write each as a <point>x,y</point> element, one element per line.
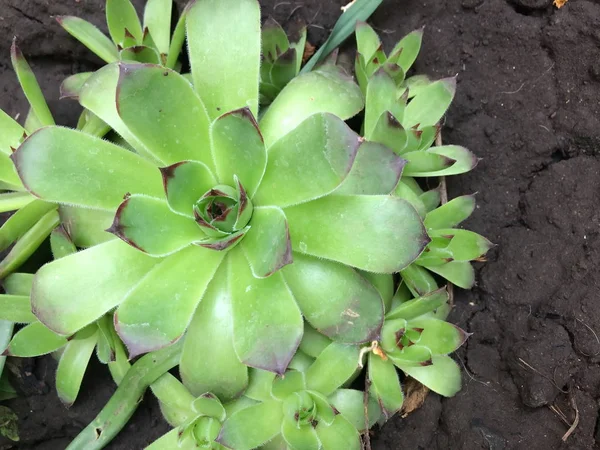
<point>124,401</point>
<point>175,400</point>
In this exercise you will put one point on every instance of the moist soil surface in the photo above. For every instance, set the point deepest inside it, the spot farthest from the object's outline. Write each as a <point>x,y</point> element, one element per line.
<point>528,104</point>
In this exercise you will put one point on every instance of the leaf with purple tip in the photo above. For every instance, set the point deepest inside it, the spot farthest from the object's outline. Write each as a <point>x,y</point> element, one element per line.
<point>323,146</point>
<point>76,290</point>
<point>380,97</point>
<point>208,348</point>
<point>442,377</point>
<point>185,182</point>
<point>163,111</point>
<point>232,27</point>
<point>429,106</point>
<point>451,214</point>
<point>423,164</point>
<point>461,159</point>
<point>335,299</point>
<point>238,149</point>
<point>148,224</point>
<point>67,166</point>
<point>376,233</point>
<point>157,311</point>
<point>267,324</point>
<point>385,385</point>
<point>419,306</point>
<point>389,132</point>
<point>123,22</point>
<point>72,85</point>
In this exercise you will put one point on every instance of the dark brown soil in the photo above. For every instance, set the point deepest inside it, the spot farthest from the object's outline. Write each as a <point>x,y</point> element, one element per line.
<point>528,103</point>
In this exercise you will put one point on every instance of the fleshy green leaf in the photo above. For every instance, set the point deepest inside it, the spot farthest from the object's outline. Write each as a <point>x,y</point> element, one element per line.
<point>87,227</point>
<point>303,437</point>
<point>460,273</point>
<point>465,245</point>
<point>123,22</point>
<point>384,283</point>
<point>287,384</point>
<point>452,213</point>
<point>91,37</point>
<point>98,94</point>
<point>335,299</point>
<point>260,384</point>
<point>177,40</point>
<point>30,86</point>
<point>381,97</point>
<point>334,366</point>
<point>350,404</point>
<point>341,434</point>
<point>35,340</point>
<point>373,233</point>
<point>185,182</point>
<point>16,308</point>
<point>389,132</point>
<point>267,323</point>
<point>72,292</point>
<point>156,312</point>
<point>267,244</point>
<point>408,47</point>
<point>160,108</point>
<point>224,39</point>
<point>238,149</point>
<point>72,85</point>
<point>73,363</point>
<point>141,54</point>
<point>149,225</point>
<point>67,166</point>
<point>11,133</point>
<point>313,342</point>
<point>321,91</point>
<point>157,19</point>
<point>419,306</point>
<point>439,336</point>
<point>430,105</point>
<point>253,426</point>
<point>298,43</point>
<point>442,377</point>
<point>385,385</point>
<point>61,243</point>
<point>208,349</point>
<point>274,40</point>
<point>367,40</point>
<point>21,221</point>
<point>376,170</point>
<point>418,280</point>
<point>18,284</point>
<point>440,161</point>
<point>323,146</point>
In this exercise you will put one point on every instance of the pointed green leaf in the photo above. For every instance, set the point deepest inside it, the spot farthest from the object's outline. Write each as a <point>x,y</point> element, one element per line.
<point>185,183</point>
<point>177,40</point>
<point>409,47</point>
<point>385,385</point>
<point>6,332</point>
<point>424,163</point>
<point>287,384</point>
<point>384,283</point>
<point>157,19</point>
<point>123,22</point>
<point>105,349</point>
<point>341,434</point>
<point>430,105</point>
<point>335,299</point>
<point>321,91</point>
<point>18,284</point>
<point>465,245</point>
<point>442,377</point>
<point>73,363</point>
<point>300,437</point>
<point>460,273</point>
<point>274,41</point>
<point>298,43</point>
<point>172,130</point>
<point>419,306</point>
<point>418,280</point>
<point>431,199</point>
<point>72,85</point>
<point>30,86</point>
<point>238,149</point>
<point>284,69</point>
<point>16,308</point>
<point>452,213</point>
<point>350,404</point>
<point>67,166</point>
<point>35,340</point>
<point>381,97</point>
<point>260,384</point>
<point>404,191</point>
<point>267,244</point>
<point>141,54</point>
<point>73,291</point>
<point>22,220</point>
<point>389,132</point>
<point>267,323</point>
<point>87,227</point>
<point>322,145</point>
<point>61,243</point>
<point>148,224</point>
<point>11,133</point>
<point>224,38</point>
<point>367,40</point>
<point>334,366</point>
<point>373,233</point>
<point>439,336</point>
<point>98,94</point>
<point>144,321</point>
<point>376,170</point>
<point>253,426</point>
<point>90,36</point>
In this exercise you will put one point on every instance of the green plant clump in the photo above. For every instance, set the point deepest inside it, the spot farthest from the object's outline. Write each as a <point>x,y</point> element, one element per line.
<point>230,223</point>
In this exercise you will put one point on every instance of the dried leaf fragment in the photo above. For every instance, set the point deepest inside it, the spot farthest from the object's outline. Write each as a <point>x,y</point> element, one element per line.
<point>560,3</point>
<point>8,424</point>
<point>416,393</point>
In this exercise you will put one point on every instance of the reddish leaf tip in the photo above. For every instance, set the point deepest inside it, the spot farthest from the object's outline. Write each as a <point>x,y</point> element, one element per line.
<point>244,114</point>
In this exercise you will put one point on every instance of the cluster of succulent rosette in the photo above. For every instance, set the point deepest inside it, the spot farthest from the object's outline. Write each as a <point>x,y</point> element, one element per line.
<point>229,223</point>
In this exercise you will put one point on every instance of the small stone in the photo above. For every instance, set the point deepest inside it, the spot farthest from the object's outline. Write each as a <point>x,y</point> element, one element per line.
<point>471,4</point>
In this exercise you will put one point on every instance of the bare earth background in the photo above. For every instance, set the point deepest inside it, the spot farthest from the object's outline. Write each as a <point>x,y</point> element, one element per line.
<point>528,103</point>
